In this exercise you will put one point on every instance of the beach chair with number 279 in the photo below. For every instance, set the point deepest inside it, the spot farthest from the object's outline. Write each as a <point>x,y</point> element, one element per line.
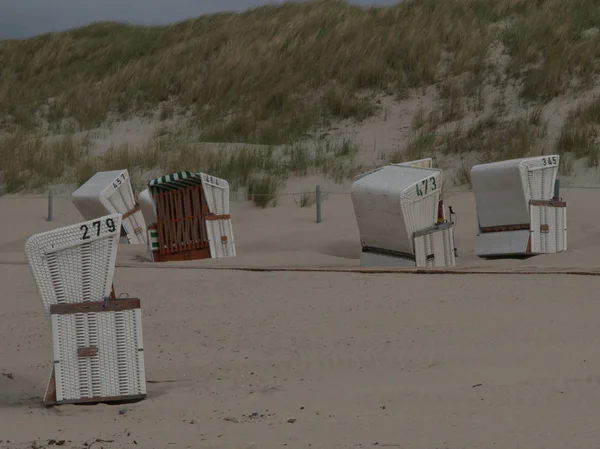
<point>97,338</point>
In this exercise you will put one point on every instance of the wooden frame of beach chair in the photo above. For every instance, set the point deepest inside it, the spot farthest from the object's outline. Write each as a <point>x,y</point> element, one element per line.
<point>97,337</point>
<point>188,216</point>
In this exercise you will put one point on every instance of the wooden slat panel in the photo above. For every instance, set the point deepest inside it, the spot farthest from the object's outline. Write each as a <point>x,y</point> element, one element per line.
<point>173,224</point>
<point>90,351</point>
<point>550,203</point>
<point>131,211</point>
<point>188,211</point>
<point>519,227</point>
<point>191,235</point>
<point>180,220</point>
<point>168,223</point>
<point>218,217</point>
<point>101,399</point>
<point>201,212</point>
<point>113,305</point>
<point>185,240</point>
<point>160,212</point>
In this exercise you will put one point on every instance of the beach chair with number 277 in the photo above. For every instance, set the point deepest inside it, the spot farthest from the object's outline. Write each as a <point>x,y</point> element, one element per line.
<point>97,338</point>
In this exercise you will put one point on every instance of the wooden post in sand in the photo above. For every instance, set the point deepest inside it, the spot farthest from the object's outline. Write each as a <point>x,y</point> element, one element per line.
<point>318,198</point>
<point>50,204</point>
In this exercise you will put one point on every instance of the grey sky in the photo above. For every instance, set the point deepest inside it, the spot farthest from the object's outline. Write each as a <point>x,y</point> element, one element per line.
<point>25,18</point>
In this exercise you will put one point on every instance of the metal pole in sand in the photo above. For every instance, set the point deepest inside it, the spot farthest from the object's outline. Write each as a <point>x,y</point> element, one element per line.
<point>50,204</point>
<point>318,197</point>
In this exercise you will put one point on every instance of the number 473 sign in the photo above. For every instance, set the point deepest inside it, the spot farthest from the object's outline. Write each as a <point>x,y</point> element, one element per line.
<point>426,186</point>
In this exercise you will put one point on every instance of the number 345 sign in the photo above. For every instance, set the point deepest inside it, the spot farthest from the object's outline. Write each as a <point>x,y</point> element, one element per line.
<point>97,228</point>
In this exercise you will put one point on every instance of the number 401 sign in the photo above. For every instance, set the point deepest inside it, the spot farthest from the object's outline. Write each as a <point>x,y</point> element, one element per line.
<point>96,228</point>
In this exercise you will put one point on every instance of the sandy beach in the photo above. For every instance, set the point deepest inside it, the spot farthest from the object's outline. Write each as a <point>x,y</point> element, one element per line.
<point>324,360</point>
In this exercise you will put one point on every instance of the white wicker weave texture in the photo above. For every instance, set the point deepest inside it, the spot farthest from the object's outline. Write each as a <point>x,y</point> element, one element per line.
<point>118,368</point>
<point>75,263</point>
<point>502,243</point>
<point>440,244</point>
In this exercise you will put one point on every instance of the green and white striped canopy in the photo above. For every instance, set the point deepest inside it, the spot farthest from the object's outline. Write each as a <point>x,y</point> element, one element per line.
<point>173,181</point>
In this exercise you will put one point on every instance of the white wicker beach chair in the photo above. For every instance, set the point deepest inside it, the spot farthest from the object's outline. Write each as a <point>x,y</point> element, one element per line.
<point>110,192</point>
<point>97,338</point>
<point>188,217</point>
<point>518,211</point>
<point>400,217</point>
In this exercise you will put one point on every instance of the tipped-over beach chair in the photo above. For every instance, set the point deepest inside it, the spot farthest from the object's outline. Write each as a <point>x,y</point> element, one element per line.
<point>97,338</point>
<point>188,217</point>
<point>110,192</point>
<point>401,218</point>
<point>519,211</point>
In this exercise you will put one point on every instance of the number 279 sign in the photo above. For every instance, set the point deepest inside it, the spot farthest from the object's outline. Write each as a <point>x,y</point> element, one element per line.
<point>96,228</point>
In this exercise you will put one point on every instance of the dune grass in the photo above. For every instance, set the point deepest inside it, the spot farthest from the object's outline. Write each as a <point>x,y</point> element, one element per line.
<point>487,139</point>
<point>31,162</point>
<point>580,134</point>
<point>463,173</point>
<point>273,73</point>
